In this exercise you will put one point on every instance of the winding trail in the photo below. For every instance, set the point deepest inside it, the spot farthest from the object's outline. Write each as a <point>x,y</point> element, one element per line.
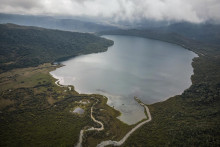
<point>118,143</point>
<point>79,144</point>
<point>110,142</point>
<point>99,122</point>
<point>58,84</point>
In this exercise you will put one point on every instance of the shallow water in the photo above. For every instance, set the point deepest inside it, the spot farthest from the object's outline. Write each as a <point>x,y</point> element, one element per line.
<point>78,110</point>
<point>149,69</point>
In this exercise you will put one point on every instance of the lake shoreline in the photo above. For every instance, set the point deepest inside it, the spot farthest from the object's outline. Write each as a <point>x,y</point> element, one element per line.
<point>177,87</point>
<point>175,95</point>
<point>150,104</point>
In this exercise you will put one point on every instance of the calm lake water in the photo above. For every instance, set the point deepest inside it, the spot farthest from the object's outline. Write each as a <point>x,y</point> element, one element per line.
<point>149,69</point>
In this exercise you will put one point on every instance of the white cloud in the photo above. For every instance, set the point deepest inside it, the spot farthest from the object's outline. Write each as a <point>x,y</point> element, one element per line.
<point>132,10</point>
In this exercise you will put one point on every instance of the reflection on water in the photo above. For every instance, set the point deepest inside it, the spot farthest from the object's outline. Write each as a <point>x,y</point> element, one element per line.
<point>149,69</point>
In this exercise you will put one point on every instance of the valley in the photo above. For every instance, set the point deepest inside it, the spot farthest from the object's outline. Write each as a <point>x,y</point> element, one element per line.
<point>35,111</point>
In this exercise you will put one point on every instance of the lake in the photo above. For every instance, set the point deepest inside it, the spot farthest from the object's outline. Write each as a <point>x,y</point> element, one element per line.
<point>149,69</point>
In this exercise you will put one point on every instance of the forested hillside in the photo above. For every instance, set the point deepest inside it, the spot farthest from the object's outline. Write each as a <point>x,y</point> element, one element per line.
<point>206,33</point>
<point>30,46</point>
<point>196,45</point>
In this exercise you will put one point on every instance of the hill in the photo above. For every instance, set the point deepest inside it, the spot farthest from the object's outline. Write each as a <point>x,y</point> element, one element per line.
<point>196,45</point>
<point>206,33</point>
<point>30,46</point>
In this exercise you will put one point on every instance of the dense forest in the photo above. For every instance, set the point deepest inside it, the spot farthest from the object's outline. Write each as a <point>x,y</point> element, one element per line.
<point>30,46</point>
<point>190,119</point>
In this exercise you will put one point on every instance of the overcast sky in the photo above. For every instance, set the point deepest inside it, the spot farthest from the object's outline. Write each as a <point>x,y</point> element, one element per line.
<point>132,10</point>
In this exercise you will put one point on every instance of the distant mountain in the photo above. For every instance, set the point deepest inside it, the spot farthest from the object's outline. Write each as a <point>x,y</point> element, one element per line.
<point>22,46</point>
<point>195,42</point>
<point>207,33</point>
<point>54,23</point>
<point>143,24</point>
<point>204,33</point>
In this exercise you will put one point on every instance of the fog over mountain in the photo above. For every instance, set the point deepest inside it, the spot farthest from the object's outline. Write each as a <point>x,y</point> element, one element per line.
<point>195,11</point>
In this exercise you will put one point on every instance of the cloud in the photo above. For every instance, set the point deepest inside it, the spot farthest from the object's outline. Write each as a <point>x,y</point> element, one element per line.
<point>131,10</point>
